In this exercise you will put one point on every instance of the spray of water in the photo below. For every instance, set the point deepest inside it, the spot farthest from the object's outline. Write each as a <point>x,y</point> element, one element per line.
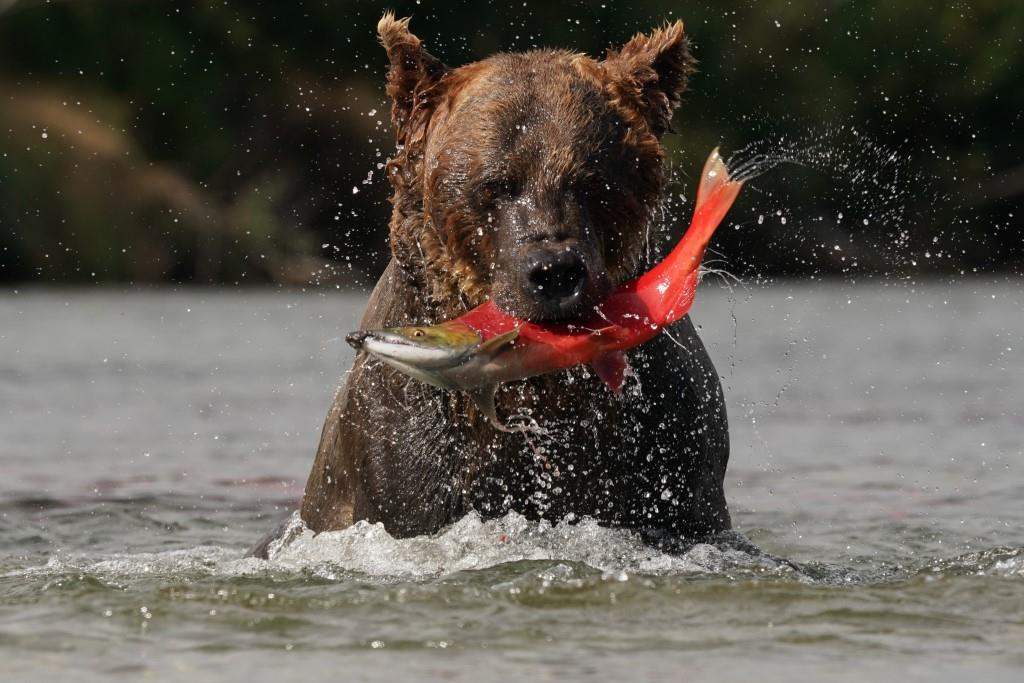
<point>874,197</point>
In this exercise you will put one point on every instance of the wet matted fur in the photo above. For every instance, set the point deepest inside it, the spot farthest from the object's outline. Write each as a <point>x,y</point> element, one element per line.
<point>492,158</point>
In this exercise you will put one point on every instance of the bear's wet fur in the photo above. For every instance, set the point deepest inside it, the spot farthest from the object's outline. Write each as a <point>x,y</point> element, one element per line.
<point>498,161</point>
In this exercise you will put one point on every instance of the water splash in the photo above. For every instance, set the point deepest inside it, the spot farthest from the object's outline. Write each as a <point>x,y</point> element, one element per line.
<point>863,206</point>
<point>369,551</point>
<point>473,543</point>
<point>841,152</point>
<point>874,180</point>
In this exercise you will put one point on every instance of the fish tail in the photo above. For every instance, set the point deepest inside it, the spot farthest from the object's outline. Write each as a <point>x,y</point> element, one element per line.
<point>675,279</point>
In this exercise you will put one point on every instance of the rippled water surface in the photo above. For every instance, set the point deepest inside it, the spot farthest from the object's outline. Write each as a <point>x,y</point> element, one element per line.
<point>148,439</point>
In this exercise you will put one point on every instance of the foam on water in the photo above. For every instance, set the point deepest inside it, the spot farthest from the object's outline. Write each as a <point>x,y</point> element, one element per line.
<point>472,543</point>
<point>369,551</point>
<point>469,544</point>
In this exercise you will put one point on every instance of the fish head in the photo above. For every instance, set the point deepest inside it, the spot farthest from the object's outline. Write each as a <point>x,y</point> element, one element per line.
<point>425,352</point>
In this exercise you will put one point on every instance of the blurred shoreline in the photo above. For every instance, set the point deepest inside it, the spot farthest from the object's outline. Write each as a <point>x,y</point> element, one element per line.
<point>209,143</point>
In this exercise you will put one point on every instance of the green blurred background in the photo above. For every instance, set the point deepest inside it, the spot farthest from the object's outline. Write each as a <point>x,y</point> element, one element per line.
<point>225,142</point>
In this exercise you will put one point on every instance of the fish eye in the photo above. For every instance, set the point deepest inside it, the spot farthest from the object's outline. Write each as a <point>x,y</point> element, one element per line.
<point>417,333</point>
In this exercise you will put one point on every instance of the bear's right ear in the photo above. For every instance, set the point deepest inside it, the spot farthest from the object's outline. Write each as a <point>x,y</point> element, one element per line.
<point>412,74</point>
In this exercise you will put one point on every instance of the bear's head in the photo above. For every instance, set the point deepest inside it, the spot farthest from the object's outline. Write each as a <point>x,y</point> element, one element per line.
<point>529,178</point>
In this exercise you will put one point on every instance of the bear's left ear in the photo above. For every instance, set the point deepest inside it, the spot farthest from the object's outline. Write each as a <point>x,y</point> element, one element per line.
<point>650,73</point>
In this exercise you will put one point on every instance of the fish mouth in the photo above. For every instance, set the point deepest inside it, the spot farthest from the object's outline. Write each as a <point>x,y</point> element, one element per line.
<point>398,350</point>
<point>356,339</point>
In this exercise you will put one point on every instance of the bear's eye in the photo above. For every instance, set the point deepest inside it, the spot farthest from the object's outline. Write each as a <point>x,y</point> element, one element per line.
<point>493,190</point>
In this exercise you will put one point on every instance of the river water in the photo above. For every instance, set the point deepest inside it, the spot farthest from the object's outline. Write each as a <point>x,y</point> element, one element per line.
<point>147,439</point>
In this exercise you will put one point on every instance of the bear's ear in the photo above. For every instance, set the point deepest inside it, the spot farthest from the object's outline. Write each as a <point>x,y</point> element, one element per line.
<point>412,73</point>
<point>650,73</point>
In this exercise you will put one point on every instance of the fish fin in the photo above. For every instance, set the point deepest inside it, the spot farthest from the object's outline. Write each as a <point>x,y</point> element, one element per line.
<point>713,175</point>
<point>715,195</point>
<point>494,344</point>
<point>483,397</point>
<point>611,368</point>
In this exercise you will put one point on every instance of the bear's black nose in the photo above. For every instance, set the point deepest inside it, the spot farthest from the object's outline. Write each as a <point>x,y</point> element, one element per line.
<point>556,278</point>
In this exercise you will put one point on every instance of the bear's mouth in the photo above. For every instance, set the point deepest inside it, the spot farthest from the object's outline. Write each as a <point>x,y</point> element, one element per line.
<point>553,296</point>
<point>549,279</point>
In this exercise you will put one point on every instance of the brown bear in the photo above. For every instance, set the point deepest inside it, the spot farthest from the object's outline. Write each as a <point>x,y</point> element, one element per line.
<point>530,178</point>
